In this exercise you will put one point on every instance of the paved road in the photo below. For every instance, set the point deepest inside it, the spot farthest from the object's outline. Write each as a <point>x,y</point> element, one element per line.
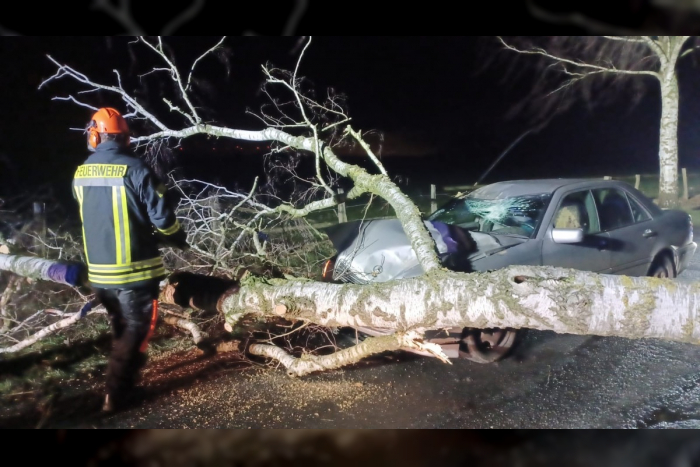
<point>693,271</point>
<point>550,381</point>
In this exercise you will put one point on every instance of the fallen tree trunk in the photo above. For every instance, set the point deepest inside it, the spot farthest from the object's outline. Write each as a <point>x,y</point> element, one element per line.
<point>544,298</point>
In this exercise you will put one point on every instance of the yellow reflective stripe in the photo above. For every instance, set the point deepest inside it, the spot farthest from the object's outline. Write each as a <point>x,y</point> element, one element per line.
<point>171,230</point>
<point>149,273</point>
<point>79,193</point>
<point>99,181</point>
<point>122,270</point>
<point>117,228</point>
<point>126,278</point>
<point>131,267</point>
<point>125,224</point>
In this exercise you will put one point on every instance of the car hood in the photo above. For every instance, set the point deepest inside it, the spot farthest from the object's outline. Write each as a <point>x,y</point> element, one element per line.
<point>379,250</point>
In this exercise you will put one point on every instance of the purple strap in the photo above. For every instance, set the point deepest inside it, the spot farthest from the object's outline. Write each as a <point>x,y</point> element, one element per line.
<point>65,273</point>
<point>441,227</point>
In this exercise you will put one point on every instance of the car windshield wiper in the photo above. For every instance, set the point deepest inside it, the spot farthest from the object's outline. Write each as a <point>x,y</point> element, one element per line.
<point>512,235</point>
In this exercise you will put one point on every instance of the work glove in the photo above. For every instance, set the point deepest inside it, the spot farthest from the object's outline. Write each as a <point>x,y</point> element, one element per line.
<point>177,240</point>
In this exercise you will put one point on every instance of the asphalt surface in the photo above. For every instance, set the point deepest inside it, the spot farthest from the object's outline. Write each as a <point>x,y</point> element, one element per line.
<point>550,381</point>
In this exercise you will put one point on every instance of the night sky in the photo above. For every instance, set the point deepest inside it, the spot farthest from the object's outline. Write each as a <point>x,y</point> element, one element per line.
<point>443,113</point>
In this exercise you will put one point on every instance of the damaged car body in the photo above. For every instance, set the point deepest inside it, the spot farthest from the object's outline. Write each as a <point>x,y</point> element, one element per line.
<point>602,226</point>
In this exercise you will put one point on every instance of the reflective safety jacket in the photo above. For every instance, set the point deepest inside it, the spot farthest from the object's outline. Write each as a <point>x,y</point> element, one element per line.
<point>125,217</point>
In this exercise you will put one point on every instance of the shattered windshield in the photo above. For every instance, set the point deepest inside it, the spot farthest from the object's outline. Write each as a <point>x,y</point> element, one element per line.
<point>518,215</point>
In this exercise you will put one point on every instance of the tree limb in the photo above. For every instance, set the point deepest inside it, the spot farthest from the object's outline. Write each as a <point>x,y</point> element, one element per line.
<point>189,326</point>
<point>313,363</point>
<point>584,65</point>
<point>47,331</point>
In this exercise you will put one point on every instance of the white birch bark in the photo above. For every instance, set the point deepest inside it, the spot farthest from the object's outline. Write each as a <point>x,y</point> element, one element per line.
<point>668,130</point>
<point>668,143</point>
<point>47,331</point>
<point>26,266</point>
<point>544,298</point>
<point>187,325</point>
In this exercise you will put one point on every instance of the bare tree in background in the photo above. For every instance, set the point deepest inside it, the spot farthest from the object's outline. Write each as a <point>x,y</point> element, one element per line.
<point>600,67</point>
<point>562,300</point>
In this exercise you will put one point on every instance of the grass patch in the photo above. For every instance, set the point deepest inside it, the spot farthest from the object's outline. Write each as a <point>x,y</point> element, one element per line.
<point>62,360</point>
<point>695,215</point>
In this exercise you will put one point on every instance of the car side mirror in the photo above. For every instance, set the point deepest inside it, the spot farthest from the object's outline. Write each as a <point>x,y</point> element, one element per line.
<point>567,235</point>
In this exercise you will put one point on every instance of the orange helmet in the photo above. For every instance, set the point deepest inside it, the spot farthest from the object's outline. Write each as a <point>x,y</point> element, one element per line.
<point>106,120</point>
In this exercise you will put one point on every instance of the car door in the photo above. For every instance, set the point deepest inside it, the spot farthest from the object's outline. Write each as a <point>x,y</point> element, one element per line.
<point>577,210</point>
<point>630,226</point>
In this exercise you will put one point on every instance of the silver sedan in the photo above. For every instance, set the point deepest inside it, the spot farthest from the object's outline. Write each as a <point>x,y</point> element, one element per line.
<point>603,226</point>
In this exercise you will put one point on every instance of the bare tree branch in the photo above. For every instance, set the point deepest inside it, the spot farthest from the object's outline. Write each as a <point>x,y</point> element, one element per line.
<point>580,64</point>
<point>370,346</point>
<point>175,74</point>
<point>660,52</point>
<point>625,38</point>
<point>47,331</point>
<point>197,334</point>
<point>368,150</point>
<point>194,64</point>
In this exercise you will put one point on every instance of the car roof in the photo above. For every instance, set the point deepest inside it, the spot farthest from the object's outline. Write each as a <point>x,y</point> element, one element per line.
<point>506,189</point>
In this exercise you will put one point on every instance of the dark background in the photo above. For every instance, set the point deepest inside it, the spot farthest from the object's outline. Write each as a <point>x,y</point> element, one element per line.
<point>440,106</point>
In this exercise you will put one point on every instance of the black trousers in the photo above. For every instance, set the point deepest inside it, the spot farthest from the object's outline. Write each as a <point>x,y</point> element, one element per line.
<point>133,313</point>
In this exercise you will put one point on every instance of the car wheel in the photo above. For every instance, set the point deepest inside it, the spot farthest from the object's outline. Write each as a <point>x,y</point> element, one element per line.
<point>486,345</point>
<point>662,268</point>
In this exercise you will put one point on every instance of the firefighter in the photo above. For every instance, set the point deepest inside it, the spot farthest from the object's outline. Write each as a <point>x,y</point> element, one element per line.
<point>126,218</point>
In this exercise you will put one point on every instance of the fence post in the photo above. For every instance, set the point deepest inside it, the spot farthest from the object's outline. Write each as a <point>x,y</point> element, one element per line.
<point>433,198</point>
<point>685,184</point>
<point>637,180</point>
<point>342,215</point>
<point>40,229</point>
<point>214,212</point>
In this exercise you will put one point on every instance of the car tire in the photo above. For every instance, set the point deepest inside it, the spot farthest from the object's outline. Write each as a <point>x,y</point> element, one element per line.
<point>486,345</point>
<point>662,267</point>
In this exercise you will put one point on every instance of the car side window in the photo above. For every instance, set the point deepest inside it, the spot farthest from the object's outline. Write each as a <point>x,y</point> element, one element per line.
<point>577,211</point>
<point>613,208</point>
<point>639,214</point>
